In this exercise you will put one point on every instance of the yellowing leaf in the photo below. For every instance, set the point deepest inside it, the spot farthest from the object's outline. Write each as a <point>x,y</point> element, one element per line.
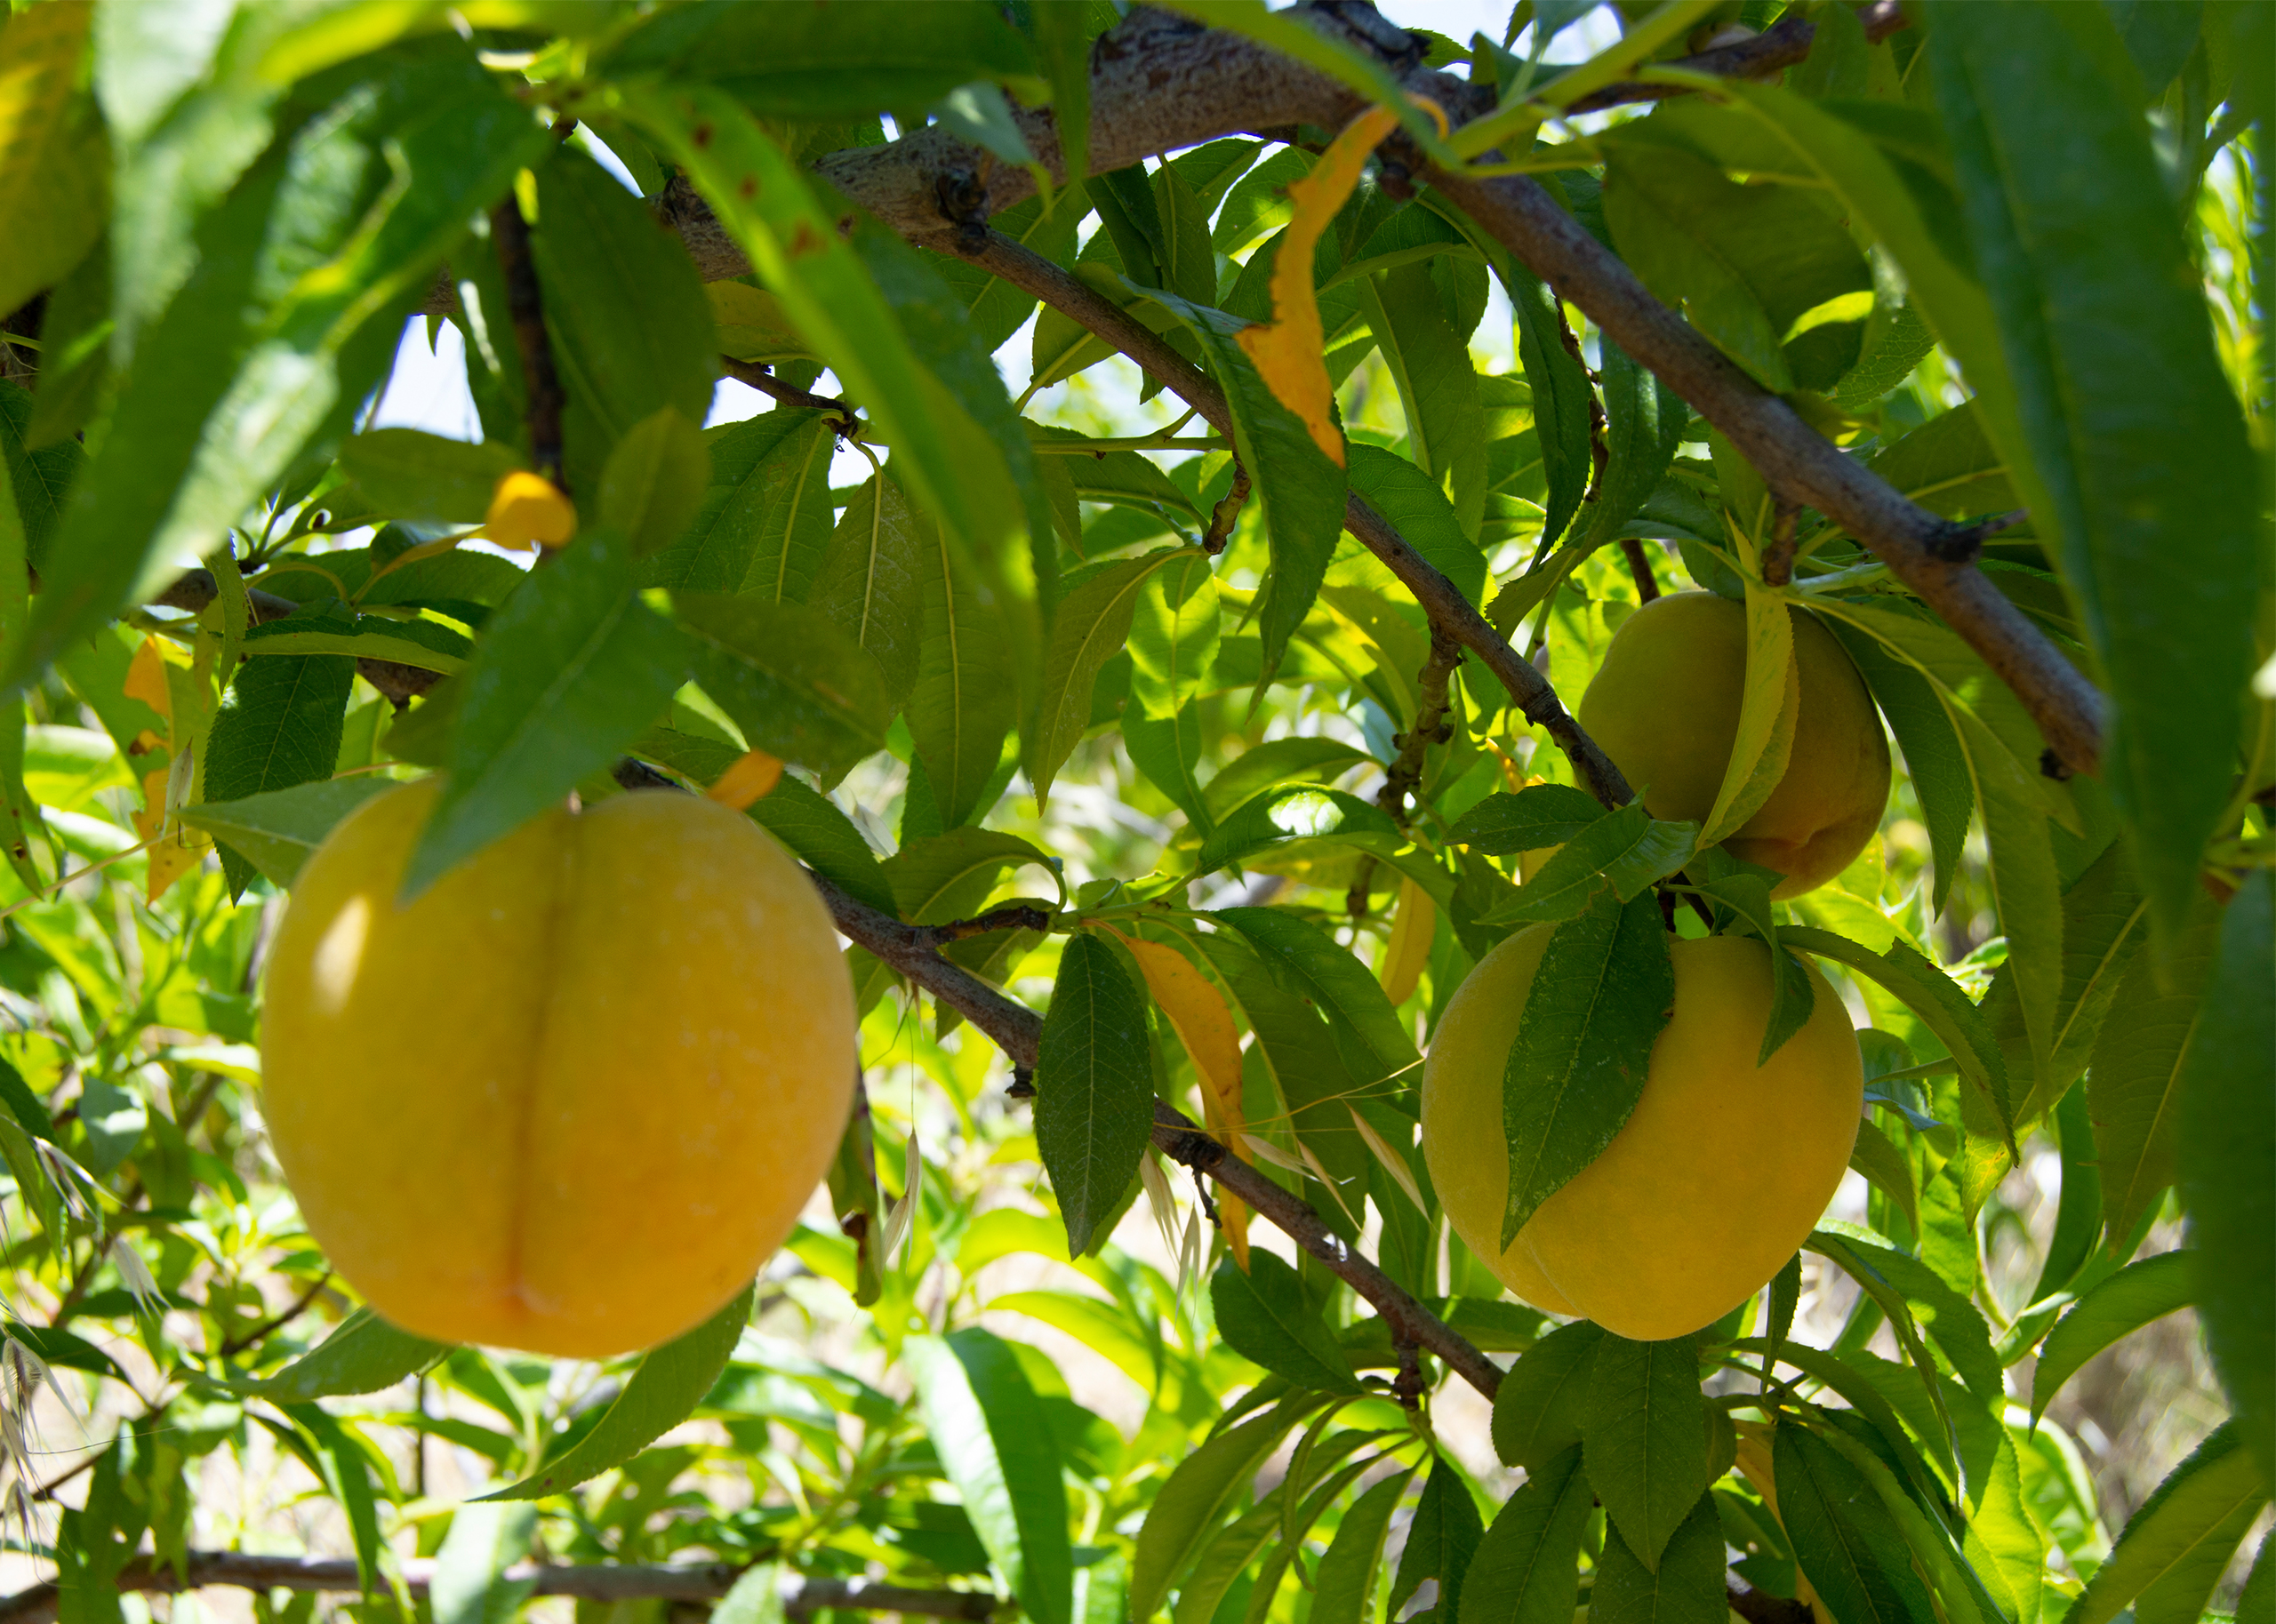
<point>1204,1025</point>
<point>1394,1163</point>
<point>529,510</point>
<point>749,779</point>
<point>146,678</point>
<point>1291,354</point>
<point>1411,933</point>
<point>1768,707</point>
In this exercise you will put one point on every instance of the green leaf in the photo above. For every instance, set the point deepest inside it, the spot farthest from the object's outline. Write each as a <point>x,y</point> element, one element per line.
<point>1846,1542</point>
<point>1092,626</point>
<point>1354,1558</point>
<point>791,681</point>
<point>1352,999</point>
<point>1747,894</point>
<point>1407,496</point>
<point>1563,402</point>
<point>1437,387</point>
<point>964,702</point>
<point>660,1393</point>
<point>1952,1322</point>
<point>408,474</point>
<point>1174,635</point>
<point>831,64</point>
<point>996,1444</point>
<point>1620,855</point>
<point>363,1354</point>
<point>1769,706</point>
<point>1265,1316</point>
<point>630,328</point>
<point>2117,1306</point>
<point>1290,813</point>
<point>1165,750</point>
<point>1541,815</point>
<point>1538,1411</point>
<point>1932,995</point>
<point>1526,1570</point>
<point>1062,48</point>
<point>1645,420</point>
<point>1196,1492</point>
<point>280,331</point>
<point>1643,1439</point>
<point>1686,1588</point>
<point>870,581</point>
<point>53,159</point>
<point>42,477</point>
<point>2226,1149</point>
<point>345,1463</point>
<point>2134,1082</point>
<point>655,482</point>
<point>1932,758</point>
<point>277,831</point>
<point>1298,488</point>
<point>1604,989</point>
<point>2175,1549</point>
<point>569,670</point>
<point>1093,1087</point>
<point>824,838</point>
<point>19,811</point>
<point>1442,1540</point>
<point>1745,263</point>
<point>756,1597</point>
<point>2138,464</point>
<point>1884,1166</point>
<point>469,1586</point>
<point>763,526</point>
<point>279,727</point>
<point>2102,916</point>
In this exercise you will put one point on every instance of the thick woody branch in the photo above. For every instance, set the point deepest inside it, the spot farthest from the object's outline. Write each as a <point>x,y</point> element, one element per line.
<point>629,1581</point>
<point>1450,611</point>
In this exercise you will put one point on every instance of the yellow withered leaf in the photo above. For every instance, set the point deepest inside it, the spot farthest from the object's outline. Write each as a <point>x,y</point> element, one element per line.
<point>1206,1027</point>
<point>1412,930</point>
<point>146,678</point>
<point>750,778</point>
<point>529,510</point>
<point>1291,354</point>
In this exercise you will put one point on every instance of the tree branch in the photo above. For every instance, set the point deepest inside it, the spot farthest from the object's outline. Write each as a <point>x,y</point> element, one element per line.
<point>629,1581</point>
<point>524,303</point>
<point>193,591</point>
<point>766,383</point>
<point>1785,44</point>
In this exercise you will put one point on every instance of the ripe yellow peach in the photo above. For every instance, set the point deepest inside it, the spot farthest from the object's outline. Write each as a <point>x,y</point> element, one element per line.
<point>1719,1175</point>
<point>1665,706</point>
<point>571,1098</point>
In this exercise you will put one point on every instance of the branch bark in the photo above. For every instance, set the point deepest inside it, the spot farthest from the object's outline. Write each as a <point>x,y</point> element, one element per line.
<point>629,1581</point>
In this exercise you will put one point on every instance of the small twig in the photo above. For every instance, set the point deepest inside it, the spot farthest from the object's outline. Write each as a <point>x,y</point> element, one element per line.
<point>1017,916</point>
<point>1778,557</point>
<point>1783,45</point>
<point>1600,448</point>
<point>1407,1387</point>
<point>236,1345</point>
<point>1640,565</point>
<point>1760,1607</point>
<point>1226,513</point>
<point>1405,774</point>
<point>790,394</point>
<point>510,235</point>
<point>1961,543</point>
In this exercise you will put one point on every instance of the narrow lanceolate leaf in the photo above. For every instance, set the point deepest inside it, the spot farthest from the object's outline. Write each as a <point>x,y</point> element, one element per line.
<point>2117,1306</point>
<point>1538,1411</point>
<point>998,1448</point>
<point>1299,486</point>
<point>655,480</point>
<point>1645,421</point>
<point>409,474</point>
<point>964,702</point>
<point>1350,1569</point>
<point>279,726</point>
<point>1644,1437</point>
<point>1542,815</point>
<point>2226,1149</point>
<point>1204,1023</point>
<point>1334,980</point>
<point>667,1385</point>
<point>1685,1588</point>
<point>1407,496</point>
<point>1264,1316</point>
<point>1952,1322</point>
<point>469,1586</point>
<point>2134,1084</point>
<point>1934,759</point>
<point>52,158</point>
<point>1288,353</point>
<point>2104,915</point>
<point>824,838</point>
<point>1527,1568</point>
<point>1604,990</point>
<point>364,1355</point>
<point>1294,812</point>
<point>870,580</point>
<point>1186,1508</point>
<point>764,521</point>
<point>2138,463</point>
<point>1768,708</point>
<point>2175,1546</point>
<point>791,680</point>
<point>1174,634</point>
<point>569,670</point>
<point>1091,627</point>
<point>1437,387</point>
<point>1618,856</point>
<point>1441,1540</point>
<point>1093,1087</point>
<point>1847,1543</point>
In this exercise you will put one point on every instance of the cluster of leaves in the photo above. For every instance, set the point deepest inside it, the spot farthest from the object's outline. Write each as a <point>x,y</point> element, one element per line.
<point>1038,615</point>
